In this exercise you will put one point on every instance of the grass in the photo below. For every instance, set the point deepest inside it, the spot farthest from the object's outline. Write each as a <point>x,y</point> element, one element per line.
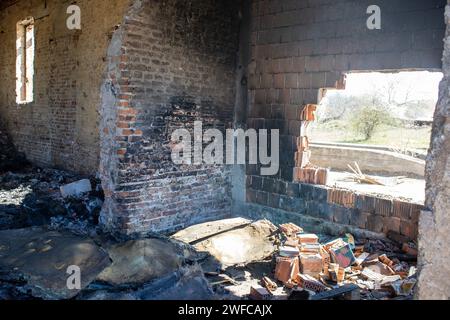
<point>396,137</point>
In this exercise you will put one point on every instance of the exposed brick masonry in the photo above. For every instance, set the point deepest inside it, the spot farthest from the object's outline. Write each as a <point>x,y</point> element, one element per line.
<point>337,206</point>
<point>176,66</point>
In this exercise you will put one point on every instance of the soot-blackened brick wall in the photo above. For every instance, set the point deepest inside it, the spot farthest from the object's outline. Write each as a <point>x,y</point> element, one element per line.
<point>301,46</point>
<point>170,64</point>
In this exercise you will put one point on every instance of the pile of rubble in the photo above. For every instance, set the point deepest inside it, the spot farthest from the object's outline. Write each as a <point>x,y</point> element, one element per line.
<point>220,260</point>
<point>340,268</point>
<point>34,196</point>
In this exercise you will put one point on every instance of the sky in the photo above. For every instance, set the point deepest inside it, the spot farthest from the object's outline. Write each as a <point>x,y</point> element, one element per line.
<point>422,85</point>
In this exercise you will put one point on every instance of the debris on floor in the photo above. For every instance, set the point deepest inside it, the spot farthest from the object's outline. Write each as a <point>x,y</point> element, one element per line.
<point>32,196</point>
<point>271,264</point>
<point>188,283</point>
<point>306,265</point>
<point>49,221</point>
<point>359,177</point>
<point>229,259</point>
<point>341,268</point>
<point>76,189</point>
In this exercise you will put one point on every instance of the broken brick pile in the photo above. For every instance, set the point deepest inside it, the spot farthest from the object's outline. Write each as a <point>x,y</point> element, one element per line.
<point>373,268</point>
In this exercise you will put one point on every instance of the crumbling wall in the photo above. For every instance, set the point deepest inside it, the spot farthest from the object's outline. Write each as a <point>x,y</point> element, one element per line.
<point>299,47</point>
<point>60,127</point>
<point>170,64</point>
<point>434,233</point>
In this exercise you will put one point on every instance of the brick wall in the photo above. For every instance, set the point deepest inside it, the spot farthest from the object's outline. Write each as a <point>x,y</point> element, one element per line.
<point>60,127</point>
<point>170,64</point>
<point>301,46</point>
<point>332,210</point>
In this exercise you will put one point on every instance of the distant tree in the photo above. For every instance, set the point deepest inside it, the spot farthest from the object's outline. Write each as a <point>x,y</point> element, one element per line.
<point>335,108</point>
<point>367,119</point>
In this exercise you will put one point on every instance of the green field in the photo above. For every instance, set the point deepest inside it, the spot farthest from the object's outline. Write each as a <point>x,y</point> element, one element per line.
<point>398,138</point>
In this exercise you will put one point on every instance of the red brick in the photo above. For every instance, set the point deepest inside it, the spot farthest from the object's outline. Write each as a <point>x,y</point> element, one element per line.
<point>302,159</point>
<point>416,209</point>
<point>308,112</point>
<point>302,144</point>
<point>365,203</point>
<point>127,118</point>
<point>124,96</point>
<point>342,197</point>
<point>127,112</point>
<point>409,229</point>
<point>286,269</point>
<point>311,264</point>
<point>401,209</point>
<point>383,207</point>
<point>123,125</point>
<point>391,224</point>
<point>127,132</point>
